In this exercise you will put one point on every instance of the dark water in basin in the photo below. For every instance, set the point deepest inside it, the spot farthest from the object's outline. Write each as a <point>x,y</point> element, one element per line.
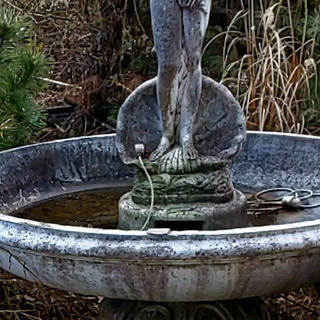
<point>99,209</point>
<point>96,209</point>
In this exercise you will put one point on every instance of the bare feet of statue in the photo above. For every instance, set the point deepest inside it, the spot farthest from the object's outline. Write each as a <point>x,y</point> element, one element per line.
<point>189,150</point>
<point>162,149</point>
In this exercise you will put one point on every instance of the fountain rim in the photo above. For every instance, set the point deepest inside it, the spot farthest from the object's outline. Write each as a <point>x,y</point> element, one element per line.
<point>261,230</point>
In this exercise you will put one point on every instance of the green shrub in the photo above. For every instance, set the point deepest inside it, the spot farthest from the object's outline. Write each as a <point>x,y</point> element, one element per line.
<point>21,69</point>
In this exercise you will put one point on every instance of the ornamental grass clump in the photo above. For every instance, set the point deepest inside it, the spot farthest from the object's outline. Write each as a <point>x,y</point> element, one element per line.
<point>21,68</point>
<point>271,63</point>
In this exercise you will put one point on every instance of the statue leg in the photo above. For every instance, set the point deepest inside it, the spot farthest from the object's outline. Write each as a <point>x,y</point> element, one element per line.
<point>167,31</point>
<point>195,20</point>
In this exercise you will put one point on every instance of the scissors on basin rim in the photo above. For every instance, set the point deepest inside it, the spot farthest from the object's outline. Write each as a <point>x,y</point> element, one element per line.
<point>293,199</point>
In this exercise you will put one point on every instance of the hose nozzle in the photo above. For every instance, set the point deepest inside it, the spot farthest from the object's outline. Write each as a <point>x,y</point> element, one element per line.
<point>140,150</point>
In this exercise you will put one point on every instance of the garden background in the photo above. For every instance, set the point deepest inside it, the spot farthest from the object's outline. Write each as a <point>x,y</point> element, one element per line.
<point>66,66</point>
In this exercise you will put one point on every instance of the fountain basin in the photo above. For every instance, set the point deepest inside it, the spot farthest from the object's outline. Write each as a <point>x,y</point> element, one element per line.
<point>135,265</point>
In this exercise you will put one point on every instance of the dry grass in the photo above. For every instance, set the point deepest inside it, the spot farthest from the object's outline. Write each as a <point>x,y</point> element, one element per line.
<point>269,66</point>
<point>75,33</point>
<point>22,300</point>
<point>300,304</point>
<point>92,44</point>
<point>103,50</point>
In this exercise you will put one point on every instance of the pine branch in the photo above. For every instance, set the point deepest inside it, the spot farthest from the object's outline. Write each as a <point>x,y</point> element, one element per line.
<point>21,66</point>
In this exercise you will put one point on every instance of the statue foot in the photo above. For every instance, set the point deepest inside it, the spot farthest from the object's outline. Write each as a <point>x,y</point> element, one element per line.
<point>189,151</point>
<point>161,150</point>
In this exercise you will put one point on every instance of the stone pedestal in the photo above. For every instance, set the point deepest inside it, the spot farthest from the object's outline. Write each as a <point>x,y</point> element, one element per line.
<point>184,216</point>
<point>190,192</point>
<point>246,309</point>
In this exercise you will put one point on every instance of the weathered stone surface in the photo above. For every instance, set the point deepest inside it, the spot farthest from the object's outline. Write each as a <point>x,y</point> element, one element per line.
<point>218,137</point>
<point>134,265</point>
<point>184,215</point>
<point>211,186</point>
<point>178,32</point>
<point>184,123</point>
<point>219,130</point>
<point>248,309</point>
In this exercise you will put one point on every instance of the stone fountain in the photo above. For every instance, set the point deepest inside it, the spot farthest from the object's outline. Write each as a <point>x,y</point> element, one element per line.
<point>188,127</point>
<point>199,256</point>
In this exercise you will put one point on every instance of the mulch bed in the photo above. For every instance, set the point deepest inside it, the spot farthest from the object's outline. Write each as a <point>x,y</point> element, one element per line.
<point>22,300</point>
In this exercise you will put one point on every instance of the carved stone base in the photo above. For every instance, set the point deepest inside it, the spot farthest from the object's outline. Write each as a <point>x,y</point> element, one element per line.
<point>246,309</point>
<point>214,186</point>
<point>184,216</point>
